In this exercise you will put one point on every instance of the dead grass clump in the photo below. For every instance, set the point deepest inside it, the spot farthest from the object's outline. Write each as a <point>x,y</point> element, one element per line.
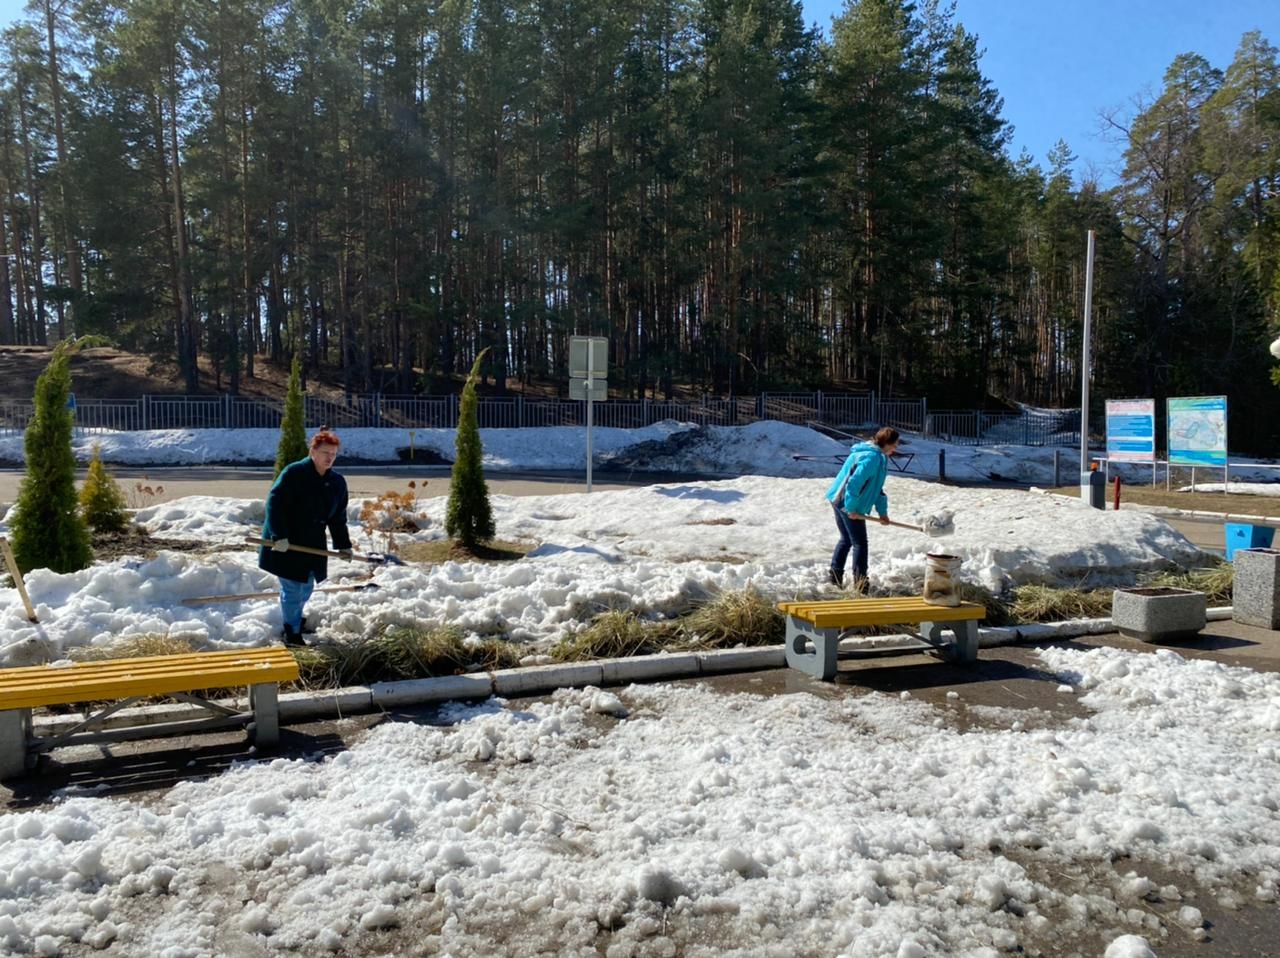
<point>137,646</point>
<point>1043,603</point>
<point>614,634</point>
<point>735,618</point>
<point>399,653</point>
<point>1214,581</point>
<point>444,550</point>
<point>998,612</point>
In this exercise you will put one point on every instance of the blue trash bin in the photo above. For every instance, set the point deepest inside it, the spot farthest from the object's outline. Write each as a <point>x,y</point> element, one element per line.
<point>1244,536</point>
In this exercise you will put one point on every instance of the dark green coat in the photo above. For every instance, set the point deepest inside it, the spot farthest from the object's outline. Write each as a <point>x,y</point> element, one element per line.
<point>300,505</point>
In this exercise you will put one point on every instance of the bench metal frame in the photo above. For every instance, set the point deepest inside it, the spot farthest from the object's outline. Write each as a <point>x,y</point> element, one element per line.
<point>21,747</point>
<point>822,661</point>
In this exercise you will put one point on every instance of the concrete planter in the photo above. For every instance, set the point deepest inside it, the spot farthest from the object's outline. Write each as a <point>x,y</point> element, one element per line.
<point>1255,593</point>
<point>1154,613</point>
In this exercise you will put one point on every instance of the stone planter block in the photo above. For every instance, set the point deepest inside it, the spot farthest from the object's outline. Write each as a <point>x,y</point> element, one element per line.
<point>1256,590</point>
<point>1157,613</point>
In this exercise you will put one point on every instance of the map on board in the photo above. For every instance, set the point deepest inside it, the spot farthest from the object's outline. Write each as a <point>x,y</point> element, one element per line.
<point>1198,431</point>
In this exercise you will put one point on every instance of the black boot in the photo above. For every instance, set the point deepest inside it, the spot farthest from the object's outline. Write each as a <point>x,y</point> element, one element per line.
<point>291,637</point>
<point>307,629</point>
<point>835,576</point>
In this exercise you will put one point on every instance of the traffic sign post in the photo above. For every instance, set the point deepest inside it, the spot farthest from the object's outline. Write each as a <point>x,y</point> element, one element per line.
<point>588,372</point>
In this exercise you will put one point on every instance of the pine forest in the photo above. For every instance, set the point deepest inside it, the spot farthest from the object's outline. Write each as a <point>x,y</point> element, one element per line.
<point>739,201</point>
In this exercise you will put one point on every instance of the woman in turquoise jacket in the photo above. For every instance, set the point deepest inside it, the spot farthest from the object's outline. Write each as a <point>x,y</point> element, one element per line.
<point>857,489</point>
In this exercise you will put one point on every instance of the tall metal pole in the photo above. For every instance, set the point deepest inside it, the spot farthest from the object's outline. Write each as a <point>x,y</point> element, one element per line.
<point>591,399</point>
<point>1086,368</point>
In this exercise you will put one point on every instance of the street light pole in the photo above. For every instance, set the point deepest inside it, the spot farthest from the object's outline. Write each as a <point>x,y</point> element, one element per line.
<point>1087,483</point>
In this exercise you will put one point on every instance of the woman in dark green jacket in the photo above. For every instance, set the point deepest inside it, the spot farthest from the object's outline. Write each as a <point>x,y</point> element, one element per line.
<point>307,498</point>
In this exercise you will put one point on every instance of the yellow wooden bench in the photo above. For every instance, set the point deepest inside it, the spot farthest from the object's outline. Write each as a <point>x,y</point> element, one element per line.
<point>822,623</point>
<point>123,682</point>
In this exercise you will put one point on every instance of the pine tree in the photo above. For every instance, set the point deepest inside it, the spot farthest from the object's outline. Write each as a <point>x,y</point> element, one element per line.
<point>101,499</point>
<point>469,517</point>
<point>48,532</point>
<point>293,429</point>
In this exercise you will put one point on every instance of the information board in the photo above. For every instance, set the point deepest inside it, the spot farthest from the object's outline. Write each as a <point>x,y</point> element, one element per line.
<point>1198,431</point>
<point>1131,430</point>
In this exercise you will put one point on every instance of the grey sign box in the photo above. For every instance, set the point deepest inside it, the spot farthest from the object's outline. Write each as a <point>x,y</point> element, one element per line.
<point>599,389</point>
<point>578,346</point>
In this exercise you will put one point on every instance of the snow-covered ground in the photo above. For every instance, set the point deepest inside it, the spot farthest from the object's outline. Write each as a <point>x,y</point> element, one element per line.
<point>677,820</point>
<point>667,819</point>
<point>656,550</point>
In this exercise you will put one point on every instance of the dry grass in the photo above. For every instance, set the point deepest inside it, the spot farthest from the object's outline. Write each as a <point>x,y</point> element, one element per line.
<point>615,634</point>
<point>1042,603</point>
<point>1215,581</point>
<point>445,550</point>
<point>137,646</point>
<point>734,618</point>
<point>399,653</point>
<point>998,611</point>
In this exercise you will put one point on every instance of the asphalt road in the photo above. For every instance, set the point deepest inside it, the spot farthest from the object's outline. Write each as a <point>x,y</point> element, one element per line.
<point>252,482</point>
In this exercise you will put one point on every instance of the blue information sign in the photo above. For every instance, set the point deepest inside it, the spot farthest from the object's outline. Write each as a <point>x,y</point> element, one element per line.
<point>1131,430</point>
<point>1198,431</point>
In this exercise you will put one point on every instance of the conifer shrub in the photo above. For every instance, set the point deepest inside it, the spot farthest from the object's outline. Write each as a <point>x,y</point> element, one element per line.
<point>293,428</point>
<point>48,531</point>
<point>469,515</point>
<point>102,500</point>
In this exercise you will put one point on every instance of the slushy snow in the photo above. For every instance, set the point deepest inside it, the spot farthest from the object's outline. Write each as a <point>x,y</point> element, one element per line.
<point>695,822</point>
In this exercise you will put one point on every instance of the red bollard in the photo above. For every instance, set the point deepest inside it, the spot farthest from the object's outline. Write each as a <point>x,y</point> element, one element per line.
<point>1117,500</point>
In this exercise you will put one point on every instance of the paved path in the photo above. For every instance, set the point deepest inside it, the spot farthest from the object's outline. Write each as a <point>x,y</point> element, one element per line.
<point>252,482</point>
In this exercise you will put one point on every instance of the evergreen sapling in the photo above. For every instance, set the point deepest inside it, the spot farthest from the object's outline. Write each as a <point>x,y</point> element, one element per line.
<point>469,516</point>
<point>48,531</point>
<point>293,428</point>
<point>101,498</point>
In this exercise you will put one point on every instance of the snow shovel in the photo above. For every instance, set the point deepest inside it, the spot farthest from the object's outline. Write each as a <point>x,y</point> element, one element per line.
<point>381,558</point>
<point>935,526</point>
<point>245,596</point>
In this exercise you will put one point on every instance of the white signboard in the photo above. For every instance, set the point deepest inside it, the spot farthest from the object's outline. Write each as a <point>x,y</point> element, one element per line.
<point>589,379</point>
<point>596,389</point>
<point>588,357</point>
<point>1131,430</point>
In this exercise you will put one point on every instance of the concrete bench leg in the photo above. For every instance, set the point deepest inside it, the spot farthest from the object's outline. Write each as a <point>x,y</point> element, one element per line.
<point>15,729</point>
<point>966,644</point>
<point>821,662</point>
<point>265,705</point>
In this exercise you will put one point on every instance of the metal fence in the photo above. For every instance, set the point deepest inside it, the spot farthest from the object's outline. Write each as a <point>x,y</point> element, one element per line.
<point>976,428</point>
<point>848,411</point>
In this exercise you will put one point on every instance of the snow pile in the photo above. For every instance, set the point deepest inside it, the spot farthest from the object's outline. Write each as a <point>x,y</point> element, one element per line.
<point>766,448</point>
<point>656,550</point>
<point>805,825</point>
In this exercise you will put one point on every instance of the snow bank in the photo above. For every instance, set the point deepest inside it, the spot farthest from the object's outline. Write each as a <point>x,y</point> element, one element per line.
<point>656,550</point>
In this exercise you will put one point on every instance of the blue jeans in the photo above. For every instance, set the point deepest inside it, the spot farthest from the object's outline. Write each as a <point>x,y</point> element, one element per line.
<point>853,536</point>
<point>293,596</point>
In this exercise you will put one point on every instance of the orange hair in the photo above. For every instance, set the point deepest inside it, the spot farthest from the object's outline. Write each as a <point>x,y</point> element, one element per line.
<point>325,437</point>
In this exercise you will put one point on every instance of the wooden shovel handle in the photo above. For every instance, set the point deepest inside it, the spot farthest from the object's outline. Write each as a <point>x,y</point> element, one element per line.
<point>890,522</point>
<point>14,571</point>
<point>309,550</point>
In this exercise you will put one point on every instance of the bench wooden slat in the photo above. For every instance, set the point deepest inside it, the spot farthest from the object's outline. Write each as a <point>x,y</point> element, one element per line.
<point>850,613</point>
<point>41,685</point>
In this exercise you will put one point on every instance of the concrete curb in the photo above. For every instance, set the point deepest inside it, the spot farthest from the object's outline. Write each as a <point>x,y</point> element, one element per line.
<point>338,703</point>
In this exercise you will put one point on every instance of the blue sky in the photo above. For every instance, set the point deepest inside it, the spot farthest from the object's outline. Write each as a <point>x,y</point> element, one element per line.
<point>1058,65</point>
